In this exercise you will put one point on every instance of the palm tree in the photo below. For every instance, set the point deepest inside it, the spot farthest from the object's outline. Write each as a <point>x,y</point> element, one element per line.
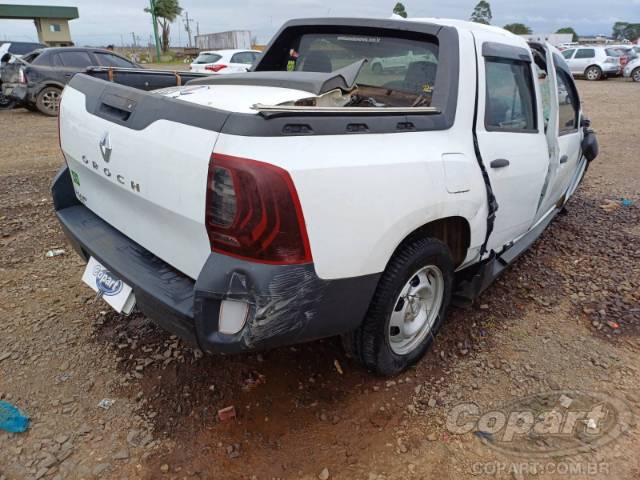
<point>166,11</point>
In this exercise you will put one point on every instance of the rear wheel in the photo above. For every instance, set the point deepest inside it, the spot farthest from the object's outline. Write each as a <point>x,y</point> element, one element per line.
<point>635,75</point>
<point>407,308</point>
<point>593,73</point>
<point>48,101</point>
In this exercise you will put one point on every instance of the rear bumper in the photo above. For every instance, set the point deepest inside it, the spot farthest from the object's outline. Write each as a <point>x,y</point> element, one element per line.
<point>287,303</point>
<point>17,91</point>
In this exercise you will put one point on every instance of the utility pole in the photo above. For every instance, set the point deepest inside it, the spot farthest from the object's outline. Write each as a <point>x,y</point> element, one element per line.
<point>152,4</point>
<point>187,26</point>
<point>197,29</point>
<point>133,35</point>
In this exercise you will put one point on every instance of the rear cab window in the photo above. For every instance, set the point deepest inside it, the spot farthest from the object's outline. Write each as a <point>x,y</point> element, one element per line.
<point>399,72</point>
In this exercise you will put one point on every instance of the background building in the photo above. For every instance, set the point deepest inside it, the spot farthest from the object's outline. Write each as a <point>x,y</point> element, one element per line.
<point>236,39</point>
<point>52,23</point>
<point>554,39</point>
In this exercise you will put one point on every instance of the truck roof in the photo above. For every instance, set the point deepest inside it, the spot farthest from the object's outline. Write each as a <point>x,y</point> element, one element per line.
<point>462,25</point>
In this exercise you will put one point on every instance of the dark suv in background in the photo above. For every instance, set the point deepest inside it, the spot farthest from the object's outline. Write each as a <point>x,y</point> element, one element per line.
<point>36,80</point>
<point>17,49</point>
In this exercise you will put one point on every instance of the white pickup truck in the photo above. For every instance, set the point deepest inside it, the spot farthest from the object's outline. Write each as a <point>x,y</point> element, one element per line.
<point>315,196</point>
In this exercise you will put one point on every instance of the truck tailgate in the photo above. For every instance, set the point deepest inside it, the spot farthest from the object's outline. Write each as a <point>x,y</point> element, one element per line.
<point>139,162</point>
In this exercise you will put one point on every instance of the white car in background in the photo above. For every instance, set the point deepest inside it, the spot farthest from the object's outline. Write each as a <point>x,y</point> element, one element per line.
<point>593,62</point>
<point>632,70</point>
<point>224,61</point>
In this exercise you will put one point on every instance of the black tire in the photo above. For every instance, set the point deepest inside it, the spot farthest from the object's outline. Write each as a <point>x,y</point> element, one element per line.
<point>593,73</point>
<point>370,343</point>
<point>377,68</point>
<point>6,103</point>
<point>48,100</point>
<point>635,75</point>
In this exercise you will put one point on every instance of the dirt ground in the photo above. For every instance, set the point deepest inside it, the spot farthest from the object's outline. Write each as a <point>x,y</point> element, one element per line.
<point>565,317</point>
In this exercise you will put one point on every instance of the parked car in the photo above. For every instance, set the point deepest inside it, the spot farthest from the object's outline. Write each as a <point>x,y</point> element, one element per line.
<point>37,79</point>
<point>632,70</point>
<point>224,61</point>
<point>399,63</point>
<point>627,53</point>
<point>9,51</point>
<point>593,62</point>
<point>287,204</point>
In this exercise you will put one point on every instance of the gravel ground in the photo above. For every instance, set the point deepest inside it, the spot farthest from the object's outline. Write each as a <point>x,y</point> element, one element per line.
<point>566,317</point>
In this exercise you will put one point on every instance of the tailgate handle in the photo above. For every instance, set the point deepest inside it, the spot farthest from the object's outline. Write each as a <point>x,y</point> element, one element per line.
<point>117,107</point>
<point>499,163</point>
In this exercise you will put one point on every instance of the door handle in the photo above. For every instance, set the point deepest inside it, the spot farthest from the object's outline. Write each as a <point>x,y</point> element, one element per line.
<point>564,159</point>
<point>499,163</point>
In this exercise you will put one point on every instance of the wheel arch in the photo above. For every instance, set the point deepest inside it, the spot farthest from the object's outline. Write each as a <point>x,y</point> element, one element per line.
<point>45,84</point>
<point>454,231</point>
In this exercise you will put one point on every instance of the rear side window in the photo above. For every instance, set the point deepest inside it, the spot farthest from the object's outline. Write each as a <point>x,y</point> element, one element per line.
<point>109,60</point>
<point>585,53</point>
<point>568,54</point>
<point>246,58</point>
<point>568,104</point>
<point>510,104</point>
<point>75,59</point>
<point>207,58</point>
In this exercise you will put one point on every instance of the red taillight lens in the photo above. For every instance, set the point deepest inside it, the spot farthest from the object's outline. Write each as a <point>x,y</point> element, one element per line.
<point>253,212</point>
<point>215,68</point>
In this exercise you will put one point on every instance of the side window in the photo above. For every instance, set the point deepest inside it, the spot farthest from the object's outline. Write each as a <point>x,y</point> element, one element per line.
<point>56,61</point>
<point>568,107</point>
<point>109,60</point>
<point>76,59</point>
<point>568,54</point>
<point>243,57</point>
<point>586,53</point>
<point>510,104</point>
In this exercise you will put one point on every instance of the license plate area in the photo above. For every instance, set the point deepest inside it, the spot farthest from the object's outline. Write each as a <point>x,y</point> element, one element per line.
<point>112,289</point>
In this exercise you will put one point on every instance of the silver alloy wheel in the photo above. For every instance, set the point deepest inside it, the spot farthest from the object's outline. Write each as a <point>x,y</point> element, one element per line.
<point>416,310</point>
<point>51,100</point>
<point>636,75</point>
<point>593,74</point>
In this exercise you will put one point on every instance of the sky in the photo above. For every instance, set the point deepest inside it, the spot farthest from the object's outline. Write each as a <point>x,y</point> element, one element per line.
<point>113,21</point>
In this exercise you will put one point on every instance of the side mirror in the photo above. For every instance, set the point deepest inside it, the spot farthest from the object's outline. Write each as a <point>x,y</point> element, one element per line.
<point>5,58</point>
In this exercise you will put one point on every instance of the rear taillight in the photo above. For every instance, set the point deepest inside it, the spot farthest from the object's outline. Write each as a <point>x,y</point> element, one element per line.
<point>253,212</point>
<point>215,68</point>
<point>22,77</point>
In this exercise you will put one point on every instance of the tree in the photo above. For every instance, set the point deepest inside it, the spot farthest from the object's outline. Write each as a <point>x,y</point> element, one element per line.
<point>482,13</point>
<point>624,30</point>
<point>400,10</point>
<point>570,30</point>
<point>166,12</point>
<point>518,28</point>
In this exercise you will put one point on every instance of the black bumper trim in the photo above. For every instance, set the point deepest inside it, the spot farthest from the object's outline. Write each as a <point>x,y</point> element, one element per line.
<point>287,303</point>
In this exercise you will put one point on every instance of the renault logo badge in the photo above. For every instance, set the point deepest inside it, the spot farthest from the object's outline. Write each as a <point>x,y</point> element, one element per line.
<point>105,146</point>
